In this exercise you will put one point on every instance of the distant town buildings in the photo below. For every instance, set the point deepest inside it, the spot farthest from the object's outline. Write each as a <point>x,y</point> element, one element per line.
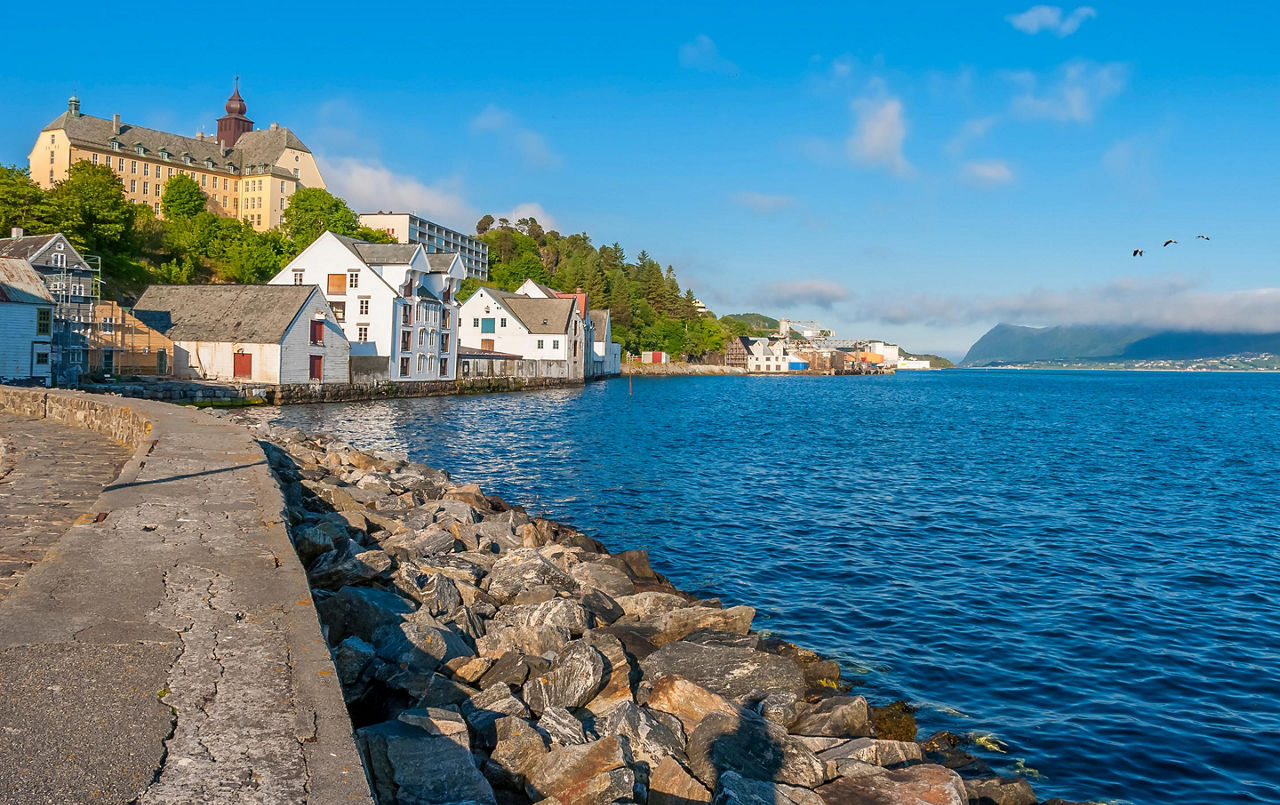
<point>406,227</point>
<point>26,323</point>
<point>246,173</point>
<point>248,333</point>
<point>395,303</point>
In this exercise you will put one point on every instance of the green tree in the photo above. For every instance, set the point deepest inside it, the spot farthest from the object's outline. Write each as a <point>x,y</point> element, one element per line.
<point>312,212</point>
<point>183,199</point>
<point>22,202</point>
<point>373,235</point>
<point>90,208</point>
<point>484,224</point>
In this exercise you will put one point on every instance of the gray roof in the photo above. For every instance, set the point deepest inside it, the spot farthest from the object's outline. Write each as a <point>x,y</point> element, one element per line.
<point>20,283</point>
<point>254,148</point>
<point>245,314</point>
<point>396,254</point>
<point>599,321</point>
<point>473,352</point>
<point>550,316</point>
<point>29,248</point>
<point>441,261</point>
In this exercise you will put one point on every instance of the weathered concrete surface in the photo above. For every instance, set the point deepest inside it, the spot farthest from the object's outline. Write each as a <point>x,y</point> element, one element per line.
<point>49,476</point>
<point>170,653</point>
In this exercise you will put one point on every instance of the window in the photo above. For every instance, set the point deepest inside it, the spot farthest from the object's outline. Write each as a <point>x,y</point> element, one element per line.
<point>502,323</point>
<point>44,321</point>
<point>555,343</point>
<point>404,366</point>
<point>475,322</point>
<point>317,331</point>
<point>539,343</point>
<point>121,161</point>
<point>108,324</point>
<point>42,358</point>
<point>77,289</point>
<point>317,367</point>
<point>282,185</point>
<point>146,188</point>
<point>169,174</point>
<point>422,363</point>
<point>51,157</point>
<point>406,341</point>
<point>133,166</point>
<point>339,310</point>
<point>204,180</point>
<point>444,342</point>
<point>224,183</point>
<point>146,169</point>
<point>353,279</point>
<point>487,325</point>
<point>362,334</point>
<point>406,315</point>
<point>295,173</point>
<point>422,336</point>
<point>297,278</point>
<point>337,283</point>
<point>59,259</point>
<point>95,160</point>
<point>133,185</point>
<point>444,367</point>
<point>364,307</point>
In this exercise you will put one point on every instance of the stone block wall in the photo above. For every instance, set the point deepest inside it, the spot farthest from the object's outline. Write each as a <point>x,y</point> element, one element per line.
<point>111,418</point>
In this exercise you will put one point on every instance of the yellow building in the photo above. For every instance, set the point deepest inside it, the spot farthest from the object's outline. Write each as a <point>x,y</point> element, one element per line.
<point>245,173</point>
<point>121,344</point>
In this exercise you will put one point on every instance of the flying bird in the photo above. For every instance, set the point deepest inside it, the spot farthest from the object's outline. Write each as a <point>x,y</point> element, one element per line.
<point>1137,252</point>
<point>1174,242</point>
<point>1203,237</point>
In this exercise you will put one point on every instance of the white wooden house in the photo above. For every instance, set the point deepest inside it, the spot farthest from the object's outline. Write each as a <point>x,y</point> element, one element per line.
<point>248,333</point>
<point>605,359</point>
<point>535,329</point>
<point>26,323</point>
<point>395,302</point>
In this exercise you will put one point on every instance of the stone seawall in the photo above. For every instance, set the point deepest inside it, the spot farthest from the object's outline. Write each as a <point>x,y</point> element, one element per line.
<point>166,649</point>
<point>660,369</point>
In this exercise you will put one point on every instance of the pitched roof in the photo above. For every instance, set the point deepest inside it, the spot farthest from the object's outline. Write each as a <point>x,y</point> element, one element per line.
<point>396,254</point>
<point>599,323</point>
<point>252,149</point>
<point>548,316</point>
<point>24,247</point>
<point>20,283</point>
<point>441,261</point>
<point>246,314</point>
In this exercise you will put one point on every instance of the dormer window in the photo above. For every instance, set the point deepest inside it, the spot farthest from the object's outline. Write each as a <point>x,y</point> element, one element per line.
<point>115,144</point>
<point>164,153</point>
<point>186,158</point>
<point>138,148</point>
<point>208,163</point>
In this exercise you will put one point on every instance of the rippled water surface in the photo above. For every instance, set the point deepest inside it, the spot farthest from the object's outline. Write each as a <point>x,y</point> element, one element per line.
<point>1081,564</point>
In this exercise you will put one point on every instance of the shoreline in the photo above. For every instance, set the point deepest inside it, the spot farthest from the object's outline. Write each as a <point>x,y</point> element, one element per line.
<point>525,609</point>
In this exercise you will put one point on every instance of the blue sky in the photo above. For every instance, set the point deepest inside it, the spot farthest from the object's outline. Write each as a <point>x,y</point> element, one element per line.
<point>915,174</point>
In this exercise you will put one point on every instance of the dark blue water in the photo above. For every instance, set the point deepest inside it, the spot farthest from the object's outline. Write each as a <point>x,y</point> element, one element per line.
<point>1082,565</point>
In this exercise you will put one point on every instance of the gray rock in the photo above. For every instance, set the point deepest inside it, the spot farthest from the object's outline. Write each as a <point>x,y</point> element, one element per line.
<point>347,565</point>
<point>650,739</point>
<point>670,783</point>
<point>672,723</point>
<point>562,727</point>
<point>459,567</point>
<point>493,535</point>
<point>560,612</point>
<point>310,541</point>
<point>753,747</point>
<point>590,774</point>
<point>513,668</point>
<point>576,676</point>
<point>730,672</point>
<point>927,783</point>
<point>441,691</point>
<point>535,594</point>
<point>1000,791</point>
<point>721,639</point>
<point>409,766</point>
<point>484,709</point>
<point>604,577</point>
<point>619,674</point>
<point>420,643</point>
<point>647,605</point>
<point>456,511</point>
<point>779,707</point>
<point>351,658</point>
<point>518,750</point>
<point>837,717</point>
<point>734,789</point>
<point>531,640</point>
<point>524,568</point>
<point>678,623</point>
<point>428,542</point>
<point>437,593</point>
<point>359,611</point>
<point>870,750</point>
<point>444,721</point>
<point>604,608</point>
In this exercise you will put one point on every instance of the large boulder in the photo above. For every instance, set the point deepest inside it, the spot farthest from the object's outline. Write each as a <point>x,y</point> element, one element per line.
<point>835,717</point>
<point>734,789</point>
<point>731,672</point>
<point>678,623</point>
<point>420,642</point>
<point>359,611</point>
<point>483,710</point>
<point>351,659</point>
<point>560,612</point>
<point>1000,791</point>
<point>753,747</point>
<point>532,640</point>
<point>424,543</point>
<point>895,721</point>
<point>604,577</point>
<point>687,701</point>
<point>877,752</point>
<point>437,593</point>
<point>524,568</point>
<point>576,676</point>
<point>591,774</point>
<point>314,539</point>
<point>409,766</point>
<point>519,749</point>
<point>647,605</point>
<point>513,668</point>
<point>443,721</point>
<point>670,783</point>
<point>562,727</point>
<point>650,740</point>
<point>618,672</point>
<point>348,565</point>
<point>919,785</point>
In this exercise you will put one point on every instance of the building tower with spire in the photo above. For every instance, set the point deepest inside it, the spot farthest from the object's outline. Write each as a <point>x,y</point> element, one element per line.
<point>234,123</point>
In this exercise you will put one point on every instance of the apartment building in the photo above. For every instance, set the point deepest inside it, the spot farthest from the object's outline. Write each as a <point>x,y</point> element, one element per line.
<point>245,172</point>
<point>406,227</point>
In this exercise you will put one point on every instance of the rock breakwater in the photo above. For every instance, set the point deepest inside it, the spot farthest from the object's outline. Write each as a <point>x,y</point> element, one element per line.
<point>489,656</point>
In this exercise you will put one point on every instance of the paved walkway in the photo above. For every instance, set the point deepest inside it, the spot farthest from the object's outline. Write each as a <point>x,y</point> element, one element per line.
<point>166,651</point>
<point>49,475</point>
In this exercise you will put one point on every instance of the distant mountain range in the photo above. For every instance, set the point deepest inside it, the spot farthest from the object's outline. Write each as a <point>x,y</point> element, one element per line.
<point>1007,344</point>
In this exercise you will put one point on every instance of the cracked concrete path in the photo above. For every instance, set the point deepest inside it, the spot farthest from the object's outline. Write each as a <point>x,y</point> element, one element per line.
<point>170,653</point>
<point>49,475</point>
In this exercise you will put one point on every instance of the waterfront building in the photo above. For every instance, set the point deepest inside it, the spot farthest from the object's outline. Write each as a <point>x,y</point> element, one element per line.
<point>406,227</point>
<point>766,355</point>
<point>914,364</point>
<point>606,354</point>
<point>248,333</point>
<point>889,353</point>
<point>120,343</point>
<point>395,302</point>
<point>736,351</point>
<point>542,329</point>
<point>26,323</point>
<point>244,172</point>
<point>74,282</point>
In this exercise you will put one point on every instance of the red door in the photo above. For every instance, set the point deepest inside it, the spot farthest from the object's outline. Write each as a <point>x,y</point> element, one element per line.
<point>317,367</point>
<point>242,364</point>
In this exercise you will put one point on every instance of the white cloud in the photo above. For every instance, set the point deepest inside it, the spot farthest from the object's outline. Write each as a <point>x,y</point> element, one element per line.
<point>1050,18</point>
<point>529,209</point>
<point>1169,303</point>
<point>702,54</point>
<point>763,202</point>
<point>369,187</point>
<point>878,133</point>
<point>815,292</point>
<point>972,131</point>
<point>531,145</point>
<point>1074,92</point>
<point>988,172</point>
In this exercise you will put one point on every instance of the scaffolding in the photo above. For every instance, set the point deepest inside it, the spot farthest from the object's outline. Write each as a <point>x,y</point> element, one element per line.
<point>76,290</point>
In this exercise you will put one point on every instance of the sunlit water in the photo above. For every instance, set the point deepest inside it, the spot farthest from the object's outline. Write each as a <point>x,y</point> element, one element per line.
<point>1082,564</point>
